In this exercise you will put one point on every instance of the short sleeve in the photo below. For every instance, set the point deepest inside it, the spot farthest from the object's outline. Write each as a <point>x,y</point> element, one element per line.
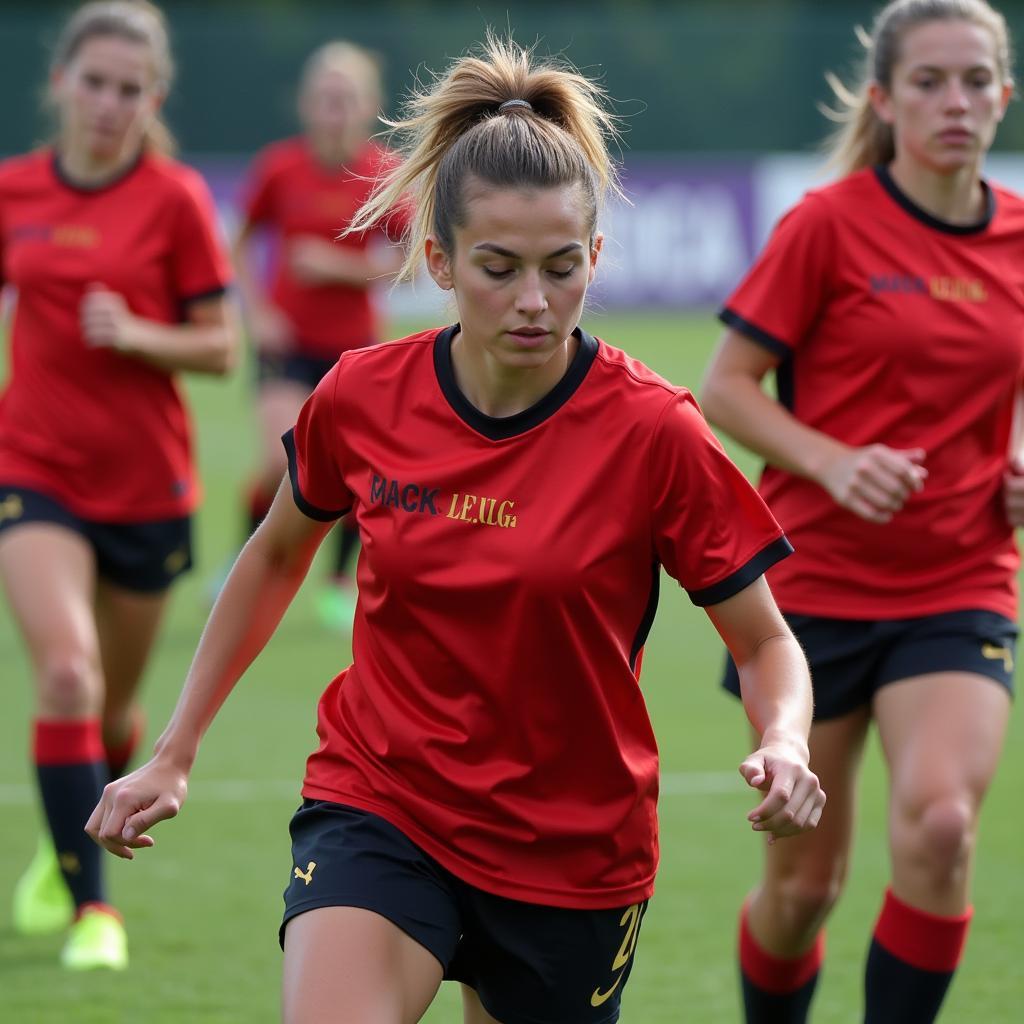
<point>781,297</point>
<point>199,262</point>
<point>314,448</point>
<point>712,531</point>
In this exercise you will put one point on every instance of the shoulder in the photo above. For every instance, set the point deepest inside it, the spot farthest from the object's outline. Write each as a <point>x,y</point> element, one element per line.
<point>282,156</point>
<point>26,169</point>
<point>374,158</point>
<point>175,179</point>
<point>832,203</point>
<point>634,386</point>
<point>361,372</point>
<point>1009,207</point>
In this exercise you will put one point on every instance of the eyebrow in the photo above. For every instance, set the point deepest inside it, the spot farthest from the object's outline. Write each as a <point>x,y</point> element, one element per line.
<point>500,251</point>
<point>935,69</point>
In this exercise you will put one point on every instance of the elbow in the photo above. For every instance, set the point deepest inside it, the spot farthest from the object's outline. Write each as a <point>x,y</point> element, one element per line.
<point>710,400</point>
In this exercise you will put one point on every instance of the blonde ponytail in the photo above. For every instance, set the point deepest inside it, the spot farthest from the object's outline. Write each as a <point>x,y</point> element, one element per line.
<point>453,129</point>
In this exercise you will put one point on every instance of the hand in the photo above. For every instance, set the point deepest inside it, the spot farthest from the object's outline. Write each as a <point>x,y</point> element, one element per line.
<point>314,261</point>
<point>874,482</point>
<point>794,799</point>
<point>318,261</point>
<point>130,806</point>
<point>270,329</point>
<point>1013,493</point>
<point>105,318</point>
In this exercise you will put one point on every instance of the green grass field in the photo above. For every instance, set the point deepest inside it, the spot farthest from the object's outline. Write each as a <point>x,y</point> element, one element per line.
<point>203,907</point>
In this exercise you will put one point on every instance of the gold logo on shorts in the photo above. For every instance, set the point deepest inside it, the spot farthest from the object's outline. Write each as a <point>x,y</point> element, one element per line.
<point>176,561</point>
<point>995,653</point>
<point>307,875</point>
<point>11,507</point>
<point>69,863</point>
<point>631,922</point>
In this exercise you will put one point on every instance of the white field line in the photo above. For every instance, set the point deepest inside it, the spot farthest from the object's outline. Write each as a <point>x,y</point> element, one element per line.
<point>245,791</point>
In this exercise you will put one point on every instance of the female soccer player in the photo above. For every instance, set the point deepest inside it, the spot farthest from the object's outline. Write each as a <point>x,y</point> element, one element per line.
<point>891,306</point>
<point>303,191</point>
<point>482,805</point>
<point>113,253</point>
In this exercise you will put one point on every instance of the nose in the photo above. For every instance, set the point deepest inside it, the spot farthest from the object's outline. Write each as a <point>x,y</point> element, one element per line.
<point>956,95</point>
<point>531,299</point>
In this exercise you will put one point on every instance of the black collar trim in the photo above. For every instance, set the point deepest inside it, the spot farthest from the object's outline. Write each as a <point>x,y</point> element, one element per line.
<point>102,185</point>
<point>885,179</point>
<point>499,428</point>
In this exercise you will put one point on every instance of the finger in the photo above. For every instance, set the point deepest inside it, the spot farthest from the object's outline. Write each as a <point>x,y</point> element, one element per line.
<point>753,771</point>
<point>906,464</point>
<point>773,804</point>
<point>856,504</point>
<point>879,496</point>
<point>136,824</point>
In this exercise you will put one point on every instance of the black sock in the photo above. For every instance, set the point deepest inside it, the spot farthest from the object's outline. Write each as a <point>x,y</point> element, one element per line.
<point>72,773</point>
<point>911,962</point>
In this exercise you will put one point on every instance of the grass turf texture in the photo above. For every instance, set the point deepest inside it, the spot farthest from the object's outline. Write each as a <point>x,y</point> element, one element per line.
<point>202,908</point>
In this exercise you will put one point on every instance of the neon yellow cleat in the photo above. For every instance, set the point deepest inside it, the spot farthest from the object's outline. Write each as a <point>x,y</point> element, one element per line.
<point>97,940</point>
<point>336,607</point>
<point>42,903</point>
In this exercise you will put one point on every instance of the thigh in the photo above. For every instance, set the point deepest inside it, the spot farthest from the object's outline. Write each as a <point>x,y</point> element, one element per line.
<point>532,964</point>
<point>127,622</point>
<point>942,735</point>
<point>49,574</point>
<point>348,965</point>
<point>141,558</point>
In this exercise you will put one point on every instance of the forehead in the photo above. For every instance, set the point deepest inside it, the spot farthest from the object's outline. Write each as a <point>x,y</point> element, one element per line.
<point>333,81</point>
<point>115,57</point>
<point>525,219</point>
<point>952,44</point>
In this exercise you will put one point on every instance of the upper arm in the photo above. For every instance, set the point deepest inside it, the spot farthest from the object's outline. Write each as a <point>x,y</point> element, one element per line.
<point>287,535</point>
<point>737,356</point>
<point>748,618</point>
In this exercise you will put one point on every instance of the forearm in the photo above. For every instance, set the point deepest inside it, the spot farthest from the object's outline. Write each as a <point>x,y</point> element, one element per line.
<point>737,405</point>
<point>249,608</point>
<point>776,689</point>
<point>197,348</point>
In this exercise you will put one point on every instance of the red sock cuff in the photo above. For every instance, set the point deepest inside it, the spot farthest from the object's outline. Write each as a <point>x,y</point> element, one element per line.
<point>775,974</point>
<point>100,908</point>
<point>926,941</point>
<point>67,741</point>
<point>121,753</point>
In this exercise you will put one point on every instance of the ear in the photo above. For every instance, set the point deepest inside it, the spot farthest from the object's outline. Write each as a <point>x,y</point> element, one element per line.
<point>439,266</point>
<point>595,251</point>
<point>1005,97</point>
<point>881,103</point>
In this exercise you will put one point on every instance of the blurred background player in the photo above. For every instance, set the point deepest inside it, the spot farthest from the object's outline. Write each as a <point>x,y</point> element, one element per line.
<point>891,307</point>
<point>482,805</point>
<point>302,193</point>
<point>119,276</point>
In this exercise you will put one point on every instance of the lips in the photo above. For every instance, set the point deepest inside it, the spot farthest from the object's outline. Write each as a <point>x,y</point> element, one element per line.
<point>956,136</point>
<point>529,337</point>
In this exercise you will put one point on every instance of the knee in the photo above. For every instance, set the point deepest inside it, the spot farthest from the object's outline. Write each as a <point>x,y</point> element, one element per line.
<point>940,835</point>
<point>804,898</point>
<point>69,685</point>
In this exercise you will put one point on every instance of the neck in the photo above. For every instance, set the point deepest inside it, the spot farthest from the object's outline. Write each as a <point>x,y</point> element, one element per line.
<point>956,198</point>
<point>499,391</point>
<point>334,152</point>
<point>86,168</point>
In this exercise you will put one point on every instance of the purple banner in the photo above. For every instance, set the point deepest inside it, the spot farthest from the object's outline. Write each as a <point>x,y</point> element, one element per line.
<point>684,240</point>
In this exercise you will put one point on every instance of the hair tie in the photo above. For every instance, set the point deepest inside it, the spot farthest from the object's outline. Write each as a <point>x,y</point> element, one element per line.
<point>514,103</point>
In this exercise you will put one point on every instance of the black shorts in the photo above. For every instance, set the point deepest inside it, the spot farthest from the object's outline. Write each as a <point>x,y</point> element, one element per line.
<point>137,556</point>
<point>851,659</point>
<point>292,366</point>
<point>529,964</point>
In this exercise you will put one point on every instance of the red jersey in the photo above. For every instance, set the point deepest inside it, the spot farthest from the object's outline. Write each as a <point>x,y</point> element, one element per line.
<point>104,433</point>
<point>507,582</point>
<point>293,194</point>
<point>895,328</point>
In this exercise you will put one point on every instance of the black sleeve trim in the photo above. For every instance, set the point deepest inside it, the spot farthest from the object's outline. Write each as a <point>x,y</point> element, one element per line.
<point>210,293</point>
<point>319,514</point>
<point>744,575</point>
<point>732,319</point>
